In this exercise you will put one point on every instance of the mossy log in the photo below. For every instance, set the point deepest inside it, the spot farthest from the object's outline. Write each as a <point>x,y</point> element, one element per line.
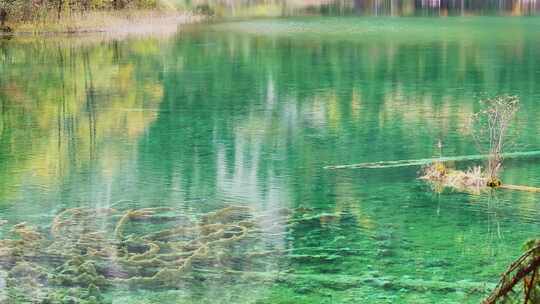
<point>427,161</point>
<point>519,188</point>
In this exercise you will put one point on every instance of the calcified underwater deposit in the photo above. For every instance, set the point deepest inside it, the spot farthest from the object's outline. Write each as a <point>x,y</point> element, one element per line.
<point>87,251</point>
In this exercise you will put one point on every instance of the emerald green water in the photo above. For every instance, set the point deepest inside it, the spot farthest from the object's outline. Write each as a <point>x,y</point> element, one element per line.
<point>248,113</point>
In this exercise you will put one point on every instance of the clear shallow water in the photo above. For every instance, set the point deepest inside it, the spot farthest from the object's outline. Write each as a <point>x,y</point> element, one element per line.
<point>247,114</point>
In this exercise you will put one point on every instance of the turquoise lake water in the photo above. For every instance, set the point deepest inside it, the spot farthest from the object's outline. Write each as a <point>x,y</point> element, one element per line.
<point>247,114</point>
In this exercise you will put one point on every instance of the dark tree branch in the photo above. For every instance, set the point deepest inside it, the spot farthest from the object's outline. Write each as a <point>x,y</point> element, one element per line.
<point>532,262</point>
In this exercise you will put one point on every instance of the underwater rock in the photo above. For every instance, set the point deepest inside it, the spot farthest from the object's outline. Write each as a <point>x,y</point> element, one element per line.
<point>438,263</point>
<point>27,270</point>
<point>384,253</point>
<point>382,283</point>
<point>303,290</point>
<point>227,215</point>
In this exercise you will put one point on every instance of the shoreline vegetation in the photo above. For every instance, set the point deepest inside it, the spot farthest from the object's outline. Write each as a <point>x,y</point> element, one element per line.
<point>34,17</point>
<point>113,22</point>
<point>117,23</point>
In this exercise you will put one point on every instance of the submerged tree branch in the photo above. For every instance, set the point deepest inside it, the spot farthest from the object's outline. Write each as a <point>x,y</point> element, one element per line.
<point>527,264</point>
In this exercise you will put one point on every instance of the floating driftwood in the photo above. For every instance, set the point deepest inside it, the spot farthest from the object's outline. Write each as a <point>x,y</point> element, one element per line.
<point>427,161</point>
<point>473,180</point>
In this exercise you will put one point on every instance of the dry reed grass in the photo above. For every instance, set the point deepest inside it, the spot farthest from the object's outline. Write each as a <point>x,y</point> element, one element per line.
<point>473,180</point>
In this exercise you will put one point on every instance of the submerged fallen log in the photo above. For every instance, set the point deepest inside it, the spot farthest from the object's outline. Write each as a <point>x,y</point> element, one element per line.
<point>519,188</point>
<point>427,161</point>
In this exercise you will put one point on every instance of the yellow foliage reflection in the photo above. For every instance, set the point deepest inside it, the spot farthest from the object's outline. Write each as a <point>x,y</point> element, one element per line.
<point>75,101</point>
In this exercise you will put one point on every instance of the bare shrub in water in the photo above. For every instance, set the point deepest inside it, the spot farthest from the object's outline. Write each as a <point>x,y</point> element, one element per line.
<point>473,180</point>
<point>490,131</point>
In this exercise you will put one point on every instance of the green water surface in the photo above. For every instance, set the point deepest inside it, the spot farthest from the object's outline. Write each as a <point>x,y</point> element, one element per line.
<point>249,113</point>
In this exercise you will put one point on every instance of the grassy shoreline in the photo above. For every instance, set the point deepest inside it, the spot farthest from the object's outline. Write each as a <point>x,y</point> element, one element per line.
<point>117,22</point>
